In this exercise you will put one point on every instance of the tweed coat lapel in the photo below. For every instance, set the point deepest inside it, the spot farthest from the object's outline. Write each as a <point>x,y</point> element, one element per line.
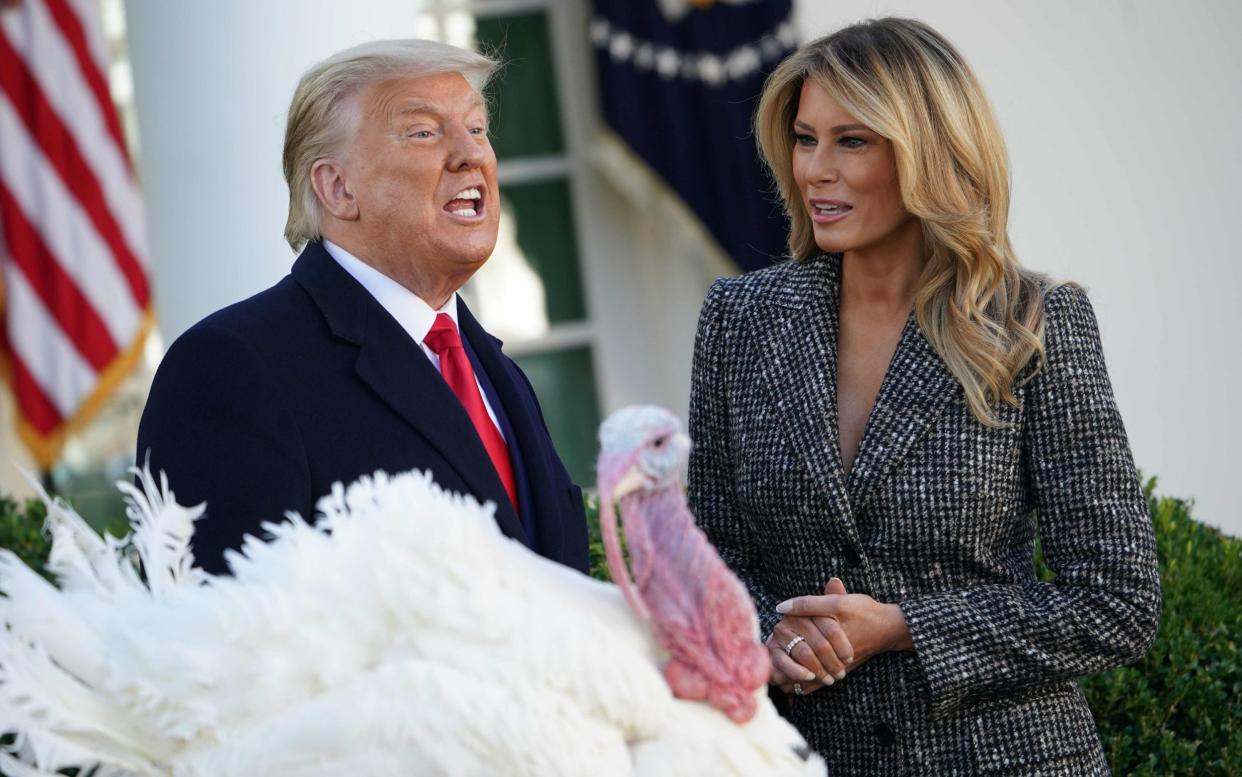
<point>916,388</point>
<point>796,332</point>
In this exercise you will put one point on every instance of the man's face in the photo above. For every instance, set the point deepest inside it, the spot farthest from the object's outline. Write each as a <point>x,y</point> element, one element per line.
<point>423,174</point>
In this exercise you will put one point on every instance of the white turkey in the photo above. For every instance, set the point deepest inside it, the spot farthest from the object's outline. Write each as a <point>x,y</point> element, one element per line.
<point>401,633</point>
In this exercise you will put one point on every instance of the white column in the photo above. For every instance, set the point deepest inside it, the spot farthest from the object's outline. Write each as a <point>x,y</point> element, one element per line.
<point>212,85</point>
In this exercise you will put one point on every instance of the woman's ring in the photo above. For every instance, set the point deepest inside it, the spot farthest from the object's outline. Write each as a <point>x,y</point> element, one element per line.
<point>798,689</point>
<point>792,644</point>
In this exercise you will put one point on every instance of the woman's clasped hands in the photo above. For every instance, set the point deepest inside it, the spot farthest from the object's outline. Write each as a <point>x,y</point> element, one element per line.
<point>821,638</point>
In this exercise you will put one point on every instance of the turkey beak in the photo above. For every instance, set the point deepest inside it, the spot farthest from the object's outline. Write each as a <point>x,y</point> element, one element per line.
<point>632,480</point>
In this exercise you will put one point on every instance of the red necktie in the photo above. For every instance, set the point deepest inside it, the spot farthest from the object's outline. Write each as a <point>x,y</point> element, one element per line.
<point>455,367</point>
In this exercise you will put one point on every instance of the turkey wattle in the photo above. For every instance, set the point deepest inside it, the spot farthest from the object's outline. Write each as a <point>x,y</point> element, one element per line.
<point>702,615</point>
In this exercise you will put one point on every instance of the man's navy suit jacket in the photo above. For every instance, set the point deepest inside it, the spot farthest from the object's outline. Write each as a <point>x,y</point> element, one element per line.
<point>259,408</point>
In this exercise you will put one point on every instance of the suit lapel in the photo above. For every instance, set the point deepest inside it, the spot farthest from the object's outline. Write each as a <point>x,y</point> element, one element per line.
<point>914,393</point>
<point>397,370</point>
<point>523,418</point>
<point>796,333</point>
<point>399,373</point>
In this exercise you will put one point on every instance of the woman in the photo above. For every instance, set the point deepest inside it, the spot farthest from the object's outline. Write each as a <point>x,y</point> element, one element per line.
<point>889,412</point>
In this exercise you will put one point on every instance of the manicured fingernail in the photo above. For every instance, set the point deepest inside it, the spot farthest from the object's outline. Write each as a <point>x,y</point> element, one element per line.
<point>828,680</point>
<point>849,660</point>
<point>810,676</point>
<point>784,607</point>
<point>841,675</point>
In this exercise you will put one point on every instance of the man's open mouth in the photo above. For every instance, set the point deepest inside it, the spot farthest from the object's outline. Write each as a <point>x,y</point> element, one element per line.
<point>467,203</point>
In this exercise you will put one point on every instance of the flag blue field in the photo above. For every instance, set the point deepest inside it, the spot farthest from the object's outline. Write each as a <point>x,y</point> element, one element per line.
<point>679,82</point>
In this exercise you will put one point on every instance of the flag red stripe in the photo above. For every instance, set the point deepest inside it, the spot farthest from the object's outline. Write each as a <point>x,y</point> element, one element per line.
<point>34,404</point>
<point>60,295</point>
<point>62,152</point>
<point>71,28</point>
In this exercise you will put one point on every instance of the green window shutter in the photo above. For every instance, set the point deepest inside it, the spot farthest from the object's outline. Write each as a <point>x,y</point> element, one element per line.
<point>526,114</point>
<point>564,380</point>
<point>545,236</point>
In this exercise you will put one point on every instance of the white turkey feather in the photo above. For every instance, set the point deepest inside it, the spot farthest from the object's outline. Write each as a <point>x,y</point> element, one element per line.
<point>462,724</point>
<point>400,633</point>
<point>161,532</point>
<point>60,722</point>
<point>62,624</point>
<point>79,556</point>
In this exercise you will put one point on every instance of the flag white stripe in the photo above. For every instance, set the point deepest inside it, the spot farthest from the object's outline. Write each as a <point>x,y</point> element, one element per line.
<point>53,362</point>
<point>89,16</point>
<point>51,60</point>
<point>65,228</point>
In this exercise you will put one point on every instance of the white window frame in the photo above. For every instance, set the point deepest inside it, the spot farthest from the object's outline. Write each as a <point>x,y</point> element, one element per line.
<point>565,166</point>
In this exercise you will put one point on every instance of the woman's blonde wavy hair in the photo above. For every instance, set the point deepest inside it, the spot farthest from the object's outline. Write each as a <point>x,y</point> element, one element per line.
<point>981,311</point>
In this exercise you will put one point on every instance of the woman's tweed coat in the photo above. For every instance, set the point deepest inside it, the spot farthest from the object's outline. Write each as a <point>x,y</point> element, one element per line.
<point>938,515</point>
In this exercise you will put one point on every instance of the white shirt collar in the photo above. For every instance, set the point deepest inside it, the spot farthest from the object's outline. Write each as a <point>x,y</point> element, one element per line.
<point>412,312</point>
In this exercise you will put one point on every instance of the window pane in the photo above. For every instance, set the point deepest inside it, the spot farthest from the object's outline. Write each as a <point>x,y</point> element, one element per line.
<point>526,117</point>
<point>532,278</point>
<point>565,383</point>
<point>545,234</point>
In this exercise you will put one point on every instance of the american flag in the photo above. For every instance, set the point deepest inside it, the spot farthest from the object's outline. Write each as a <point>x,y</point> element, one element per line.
<point>76,300</point>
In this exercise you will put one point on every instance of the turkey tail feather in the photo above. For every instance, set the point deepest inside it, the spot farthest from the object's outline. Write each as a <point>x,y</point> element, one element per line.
<point>161,531</point>
<point>60,720</point>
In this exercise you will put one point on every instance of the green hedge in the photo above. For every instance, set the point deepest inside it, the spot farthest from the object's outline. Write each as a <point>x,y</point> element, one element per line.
<point>21,530</point>
<point>1177,712</point>
<point>595,542</point>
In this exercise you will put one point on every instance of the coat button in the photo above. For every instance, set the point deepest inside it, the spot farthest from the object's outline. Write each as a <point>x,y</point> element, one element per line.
<point>884,734</point>
<point>852,557</point>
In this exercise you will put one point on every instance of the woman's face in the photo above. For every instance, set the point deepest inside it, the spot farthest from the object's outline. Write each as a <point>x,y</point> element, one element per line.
<point>847,176</point>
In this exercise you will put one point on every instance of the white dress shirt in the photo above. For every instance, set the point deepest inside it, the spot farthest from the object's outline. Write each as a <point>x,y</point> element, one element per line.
<point>410,310</point>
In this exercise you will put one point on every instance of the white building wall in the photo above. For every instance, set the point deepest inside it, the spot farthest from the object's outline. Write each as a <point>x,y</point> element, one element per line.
<point>212,84</point>
<point>1123,122</point>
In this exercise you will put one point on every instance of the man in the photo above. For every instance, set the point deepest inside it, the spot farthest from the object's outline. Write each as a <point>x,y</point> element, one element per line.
<point>364,358</point>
